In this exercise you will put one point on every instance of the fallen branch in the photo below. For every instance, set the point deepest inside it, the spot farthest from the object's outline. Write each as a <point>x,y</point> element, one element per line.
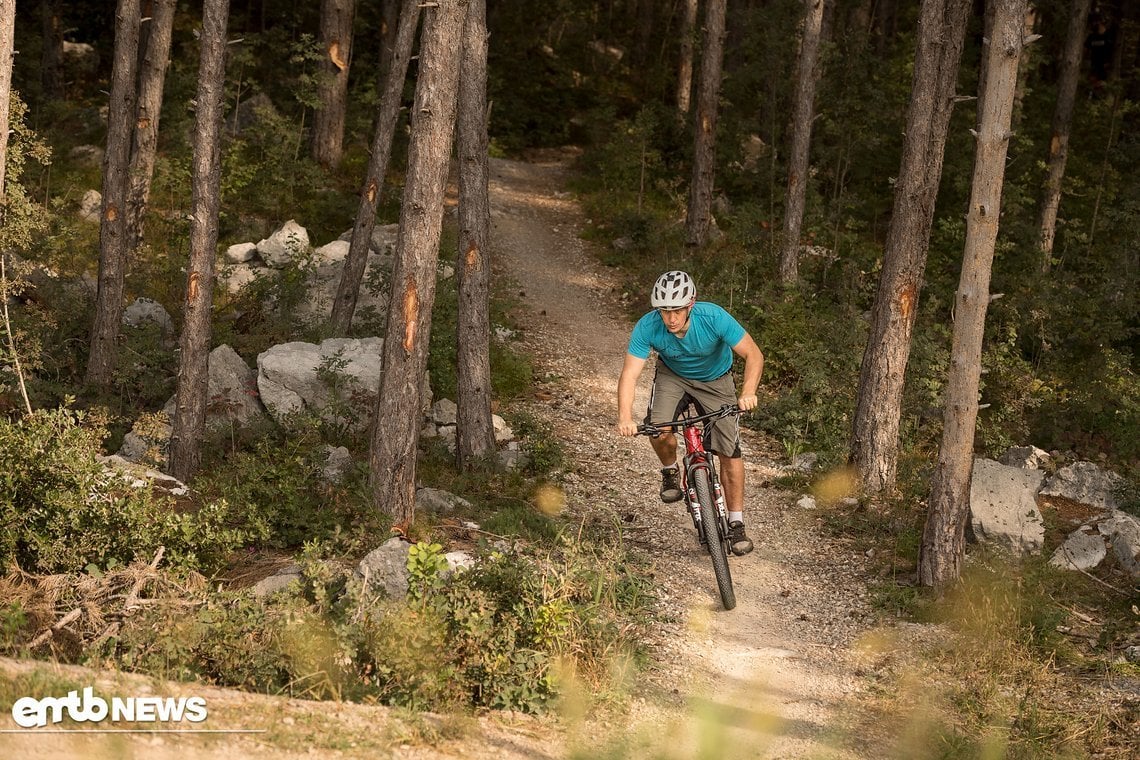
<point>48,633</point>
<point>132,603</point>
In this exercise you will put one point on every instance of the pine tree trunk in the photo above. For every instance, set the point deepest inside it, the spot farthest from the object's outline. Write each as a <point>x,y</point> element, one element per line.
<point>152,77</point>
<point>348,289</point>
<point>7,53</point>
<point>1028,61</point>
<point>874,445</point>
<point>475,434</point>
<point>389,18</point>
<point>189,422</point>
<point>1062,124</point>
<point>800,143</point>
<point>51,59</point>
<point>335,38</point>
<point>396,430</point>
<point>685,64</point>
<point>943,538</point>
<point>113,242</point>
<point>699,214</point>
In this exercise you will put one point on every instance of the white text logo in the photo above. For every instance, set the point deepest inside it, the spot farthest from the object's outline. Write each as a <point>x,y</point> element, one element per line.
<point>29,712</point>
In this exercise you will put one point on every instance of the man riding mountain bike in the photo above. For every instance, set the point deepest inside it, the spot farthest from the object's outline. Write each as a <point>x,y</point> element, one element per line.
<point>694,341</point>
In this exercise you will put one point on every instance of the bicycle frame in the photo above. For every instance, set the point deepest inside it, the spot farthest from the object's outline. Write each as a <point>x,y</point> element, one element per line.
<point>695,429</point>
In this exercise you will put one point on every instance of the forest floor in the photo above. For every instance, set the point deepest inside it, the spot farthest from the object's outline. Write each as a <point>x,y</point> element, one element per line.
<point>784,675</point>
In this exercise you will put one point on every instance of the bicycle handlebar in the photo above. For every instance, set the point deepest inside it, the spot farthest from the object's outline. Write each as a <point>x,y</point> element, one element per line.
<point>727,410</point>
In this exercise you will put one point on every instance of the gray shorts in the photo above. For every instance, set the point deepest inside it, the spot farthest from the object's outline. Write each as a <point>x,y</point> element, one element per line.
<point>670,389</point>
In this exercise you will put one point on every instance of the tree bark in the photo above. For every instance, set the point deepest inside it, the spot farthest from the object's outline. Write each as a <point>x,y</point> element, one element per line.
<point>685,64</point>
<point>698,218</point>
<point>874,445</point>
<point>803,110</point>
<point>348,289</point>
<point>396,430</point>
<point>51,73</point>
<point>189,422</point>
<point>943,538</point>
<point>475,433</point>
<point>113,243</point>
<point>1062,124</point>
<point>335,38</point>
<point>152,77</point>
<point>7,53</point>
<point>389,19</point>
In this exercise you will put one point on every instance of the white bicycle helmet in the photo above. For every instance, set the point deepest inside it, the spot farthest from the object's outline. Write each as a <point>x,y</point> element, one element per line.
<point>673,290</point>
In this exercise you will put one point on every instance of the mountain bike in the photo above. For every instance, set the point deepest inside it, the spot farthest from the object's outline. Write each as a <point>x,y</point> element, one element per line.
<point>703,495</point>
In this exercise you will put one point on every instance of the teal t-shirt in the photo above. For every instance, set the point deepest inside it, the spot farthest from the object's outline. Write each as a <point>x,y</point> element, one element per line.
<point>705,353</point>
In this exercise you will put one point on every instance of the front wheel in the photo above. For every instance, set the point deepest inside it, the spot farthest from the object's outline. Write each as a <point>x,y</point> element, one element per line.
<point>714,540</point>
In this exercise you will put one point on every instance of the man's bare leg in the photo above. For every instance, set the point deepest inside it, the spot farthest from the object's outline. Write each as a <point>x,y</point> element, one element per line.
<point>666,447</point>
<point>732,482</point>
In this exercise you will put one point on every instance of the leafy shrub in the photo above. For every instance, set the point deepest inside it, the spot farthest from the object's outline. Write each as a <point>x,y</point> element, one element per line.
<point>486,636</point>
<point>279,488</point>
<point>61,510</point>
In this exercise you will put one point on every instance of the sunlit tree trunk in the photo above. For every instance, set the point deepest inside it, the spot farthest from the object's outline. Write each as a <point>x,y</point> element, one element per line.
<point>113,242</point>
<point>396,428</point>
<point>685,63</point>
<point>874,444</point>
<point>348,289</point>
<point>51,58</point>
<point>803,110</point>
<point>474,432</point>
<point>335,39</point>
<point>943,538</point>
<point>704,152</point>
<point>152,77</point>
<point>189,422</point>
<point>1062,124</point>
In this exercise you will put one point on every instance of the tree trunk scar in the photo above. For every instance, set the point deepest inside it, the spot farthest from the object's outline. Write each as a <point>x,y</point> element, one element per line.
<point>906,302</point>
<point>372,191</point>
<point>411,311</point>
<point>336,57</point>
<point>192,287</point>
<point>112,213</point>
<point>471,261</point>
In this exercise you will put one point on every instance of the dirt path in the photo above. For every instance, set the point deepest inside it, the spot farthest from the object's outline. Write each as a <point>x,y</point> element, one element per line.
<point>768,676</point>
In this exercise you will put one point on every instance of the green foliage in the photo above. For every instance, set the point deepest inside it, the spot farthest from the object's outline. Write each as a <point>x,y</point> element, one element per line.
<point>485,636</point>
<point>12,619</point>
<point>24,220</point>
<point>543,449</point>
<point>511,371</point>
<point>62,510</point>
<point>426,565</point>
<point>278,487</point>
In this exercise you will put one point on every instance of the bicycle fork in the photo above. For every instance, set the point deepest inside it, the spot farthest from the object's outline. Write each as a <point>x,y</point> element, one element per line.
<point>693,503</point>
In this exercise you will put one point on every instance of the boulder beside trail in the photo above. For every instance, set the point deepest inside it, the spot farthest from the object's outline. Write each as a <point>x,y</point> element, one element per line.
<point>1003,506</point>
<point>386,568</point>
<point>285,246</point>
<point>1086,483</point>
<point>337,379</point>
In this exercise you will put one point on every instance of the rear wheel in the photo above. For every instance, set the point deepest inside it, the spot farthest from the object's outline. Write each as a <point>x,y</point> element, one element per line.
<point>711,521</point>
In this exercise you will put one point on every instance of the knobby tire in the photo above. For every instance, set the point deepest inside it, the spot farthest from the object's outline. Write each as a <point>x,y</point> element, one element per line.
<point>711,521</point>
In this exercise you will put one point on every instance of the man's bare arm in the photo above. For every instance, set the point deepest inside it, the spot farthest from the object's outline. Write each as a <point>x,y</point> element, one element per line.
<point>747,349</point>
<point>627,387</point>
